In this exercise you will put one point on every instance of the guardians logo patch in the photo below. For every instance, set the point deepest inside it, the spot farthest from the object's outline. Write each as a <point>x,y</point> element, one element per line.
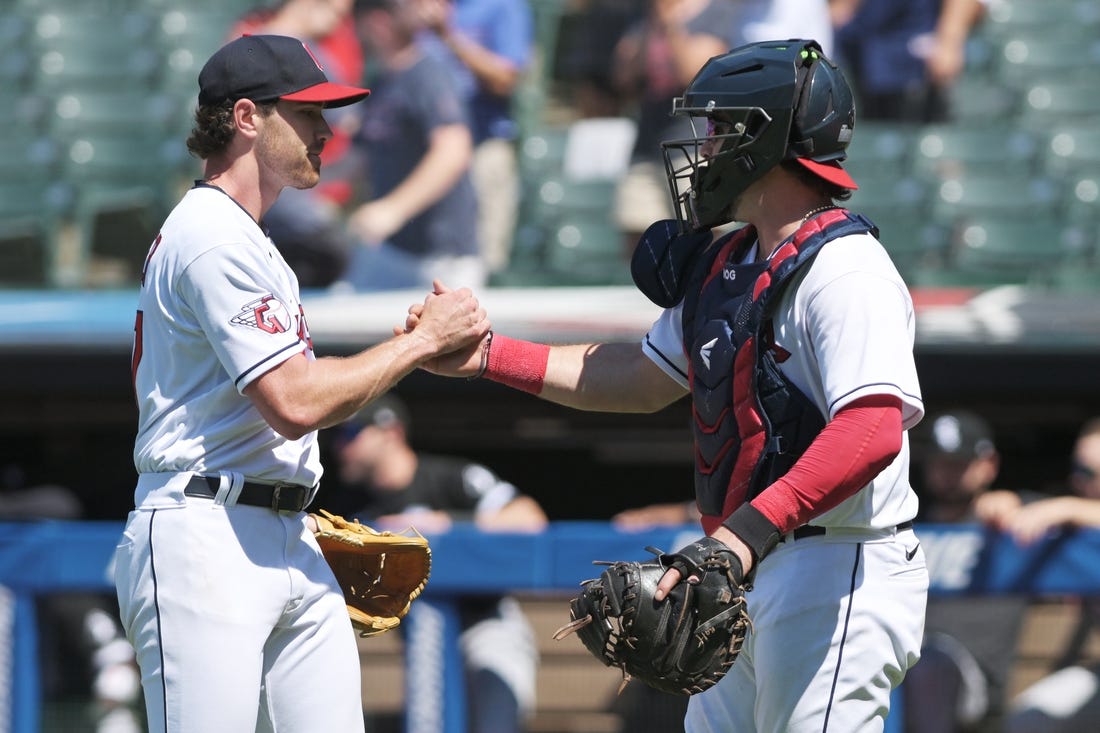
<point>267,314</point>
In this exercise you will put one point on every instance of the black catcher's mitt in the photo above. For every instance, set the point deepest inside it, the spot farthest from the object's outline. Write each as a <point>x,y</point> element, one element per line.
<point>682,645</point>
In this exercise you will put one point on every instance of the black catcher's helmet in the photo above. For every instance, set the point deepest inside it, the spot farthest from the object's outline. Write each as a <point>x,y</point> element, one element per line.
<point>766,102</point>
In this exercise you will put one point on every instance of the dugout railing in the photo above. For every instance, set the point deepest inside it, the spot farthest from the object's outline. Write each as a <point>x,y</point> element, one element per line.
<point>43,557</point>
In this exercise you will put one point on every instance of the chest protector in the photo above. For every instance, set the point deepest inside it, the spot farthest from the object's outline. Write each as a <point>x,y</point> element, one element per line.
<point>750,422</point>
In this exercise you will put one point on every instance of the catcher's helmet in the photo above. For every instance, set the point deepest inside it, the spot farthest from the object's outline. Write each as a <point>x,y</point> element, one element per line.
<point>765,102</point>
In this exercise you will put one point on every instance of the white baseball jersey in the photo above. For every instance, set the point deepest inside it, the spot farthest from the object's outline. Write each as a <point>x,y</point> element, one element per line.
<point>218,307</point>
<point>851,295</point>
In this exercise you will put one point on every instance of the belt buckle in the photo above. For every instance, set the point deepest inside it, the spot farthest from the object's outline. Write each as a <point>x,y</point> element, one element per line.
<point>277,492</point>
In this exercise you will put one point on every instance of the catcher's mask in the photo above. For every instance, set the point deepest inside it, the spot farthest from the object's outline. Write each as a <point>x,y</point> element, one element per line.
<point>760,104</point>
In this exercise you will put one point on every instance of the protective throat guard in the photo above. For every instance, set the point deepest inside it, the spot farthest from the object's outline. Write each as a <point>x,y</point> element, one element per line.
<point>663,260</point>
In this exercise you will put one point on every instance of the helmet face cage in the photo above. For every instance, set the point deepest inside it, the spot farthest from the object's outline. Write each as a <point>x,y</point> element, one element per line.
<point>781,99</point>
<point>704,187</point>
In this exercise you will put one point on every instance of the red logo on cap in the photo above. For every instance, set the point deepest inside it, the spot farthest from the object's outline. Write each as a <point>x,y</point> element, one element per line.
<point>315,61</point>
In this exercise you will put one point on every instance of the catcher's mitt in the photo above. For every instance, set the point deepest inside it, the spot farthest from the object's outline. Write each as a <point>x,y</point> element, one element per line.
<point>380,573</point>
<point>683,644</point>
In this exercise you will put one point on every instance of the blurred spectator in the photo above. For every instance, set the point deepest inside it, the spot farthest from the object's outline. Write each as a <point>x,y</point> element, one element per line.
<point>420,218</point>
<point>386,483</point>
<point>960,682</point>
<point>653,62</point>
<point>307,225</point>
<point>1068,699</point>
<point>585,51</point>
<point>488,44</point>
<point>659,55</point>
<point>82,650</point>
<point>903,55</point>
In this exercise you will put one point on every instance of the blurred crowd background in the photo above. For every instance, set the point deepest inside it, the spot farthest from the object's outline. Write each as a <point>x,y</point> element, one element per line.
<point>980,160</point>
<point>977,151</point>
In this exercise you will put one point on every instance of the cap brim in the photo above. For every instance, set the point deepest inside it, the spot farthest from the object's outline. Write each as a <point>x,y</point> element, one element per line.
<point>830,171</point>
<point>328,94</point>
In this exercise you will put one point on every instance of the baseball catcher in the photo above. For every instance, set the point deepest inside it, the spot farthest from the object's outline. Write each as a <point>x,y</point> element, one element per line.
<point>380,573</point>
<point>682,644</point>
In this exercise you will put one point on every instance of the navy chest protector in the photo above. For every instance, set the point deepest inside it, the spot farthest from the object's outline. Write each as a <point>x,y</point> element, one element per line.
<point>750,422</point>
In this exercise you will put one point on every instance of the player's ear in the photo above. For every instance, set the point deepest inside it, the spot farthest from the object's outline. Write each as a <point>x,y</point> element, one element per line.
<point>246,114</point>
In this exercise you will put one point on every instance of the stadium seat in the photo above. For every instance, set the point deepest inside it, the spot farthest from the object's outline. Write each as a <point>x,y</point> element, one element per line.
<point>121,113</point>
<point>880,148</point>
<point>977,99</point>
<point>115,227</point>
<point>993,193</point>
<point>568,229</point>
<point>81,68</point>
<point>1080,200</point>
<point>953,150</point>
<point>26,154</point>
<point>1072,150</point>
<point>32,213</point>
<point>25,113</point>
<point>1050,103</point>
<point>16,69</point>
<point>913,241</point>
<point>1020,248</point>
<point>1042,18</point>
<point>880,190</point>
<point>1026,60</point>
<point>542,152</point>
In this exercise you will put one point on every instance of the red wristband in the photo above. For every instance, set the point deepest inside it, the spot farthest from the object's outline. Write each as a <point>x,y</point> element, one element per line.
<point>518,364</point>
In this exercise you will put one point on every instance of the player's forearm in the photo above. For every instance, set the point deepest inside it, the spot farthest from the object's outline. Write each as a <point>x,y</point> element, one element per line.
<point>301,396</point>
<point>613,377</point>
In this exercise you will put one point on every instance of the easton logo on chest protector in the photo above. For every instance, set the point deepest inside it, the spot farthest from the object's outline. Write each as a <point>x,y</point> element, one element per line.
<point>750,423</point>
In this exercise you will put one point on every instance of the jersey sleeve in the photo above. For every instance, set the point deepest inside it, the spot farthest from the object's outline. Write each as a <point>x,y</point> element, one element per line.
<point>664,345</point>
<point>252,321</point>
<point>861,324</point>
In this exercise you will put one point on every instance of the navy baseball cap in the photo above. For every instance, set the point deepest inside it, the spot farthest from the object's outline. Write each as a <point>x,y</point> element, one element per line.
<point>959,434</point>
<point>266,68</point>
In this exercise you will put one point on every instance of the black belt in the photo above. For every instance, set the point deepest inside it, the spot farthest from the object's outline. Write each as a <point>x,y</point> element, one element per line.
<point>811,530</point>
<point>278,497</point>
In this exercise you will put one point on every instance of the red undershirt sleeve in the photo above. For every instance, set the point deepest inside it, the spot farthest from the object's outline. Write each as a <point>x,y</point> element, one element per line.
<point>861,440</point>
<point>854,447</point>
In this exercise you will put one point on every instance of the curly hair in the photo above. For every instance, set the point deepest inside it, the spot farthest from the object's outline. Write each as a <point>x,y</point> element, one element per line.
<point>214,127</point>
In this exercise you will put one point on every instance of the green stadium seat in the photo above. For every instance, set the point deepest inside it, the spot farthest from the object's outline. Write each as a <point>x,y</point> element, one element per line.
<point>16,69</point>
<point>24,115</point>
<point>1072,150</point>
<point>26,154</point>
<point>1050,103</point>
<point>567,230</point>
<point>993,193</point>
<point>542,152</point>
<point>79,68</point>
<point>32,214</point>
<point>121,113</point>
<point>978,99</point>
<point>73,24</point>
<point>954,150</point>
<point>1025,60</point>
<point>880,190</point>
<point>116,226</point>
<point>1021,249</point>
<point>1081,198</point>
<point>913,241</point>
<point>1042,18</point>
<point>880,147</point>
